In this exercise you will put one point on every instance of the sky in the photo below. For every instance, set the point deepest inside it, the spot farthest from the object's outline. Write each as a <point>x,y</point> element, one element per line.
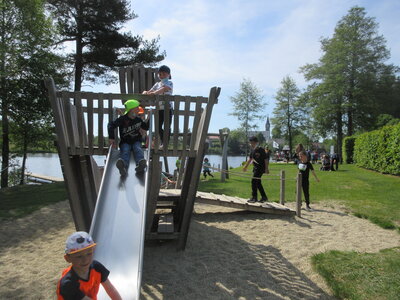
<point>220,42</point>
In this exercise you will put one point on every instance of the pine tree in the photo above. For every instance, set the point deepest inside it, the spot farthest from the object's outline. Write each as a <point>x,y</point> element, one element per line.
<point>100,46</point>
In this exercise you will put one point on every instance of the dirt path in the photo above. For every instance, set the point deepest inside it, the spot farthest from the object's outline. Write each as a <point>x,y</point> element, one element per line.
<point>229,255</point>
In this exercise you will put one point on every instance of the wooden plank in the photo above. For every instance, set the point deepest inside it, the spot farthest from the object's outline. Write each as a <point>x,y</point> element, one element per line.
<point>122,80</point>
<point>196,122</point>
<point>79,215</point>
<point>44,177</point>
<point>186,123</point>
<point>166,224</point>
<point>149,100</point>
<point>162,236</point>
<point>194,180</point>
<point>135,82</point>
<point>81,120</point>
<point>129,80</point>
<point>282,188</point>
<point>149,79</point>
<point>90,122</point>
<point>142,79</point>
<point>68,120</point>
<point>298,195</point>
<point>176,125</point>
<point>166,125</point>
<point>255,208</point>
<point>100,119</point>
<point>155,169</point>
<point>156,127</point>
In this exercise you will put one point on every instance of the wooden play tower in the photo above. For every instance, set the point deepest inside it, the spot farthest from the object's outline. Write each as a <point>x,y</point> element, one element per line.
<point>80,122</point>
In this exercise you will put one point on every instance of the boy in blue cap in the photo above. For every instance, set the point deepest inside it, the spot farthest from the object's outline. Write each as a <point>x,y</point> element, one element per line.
<point>129,125</point>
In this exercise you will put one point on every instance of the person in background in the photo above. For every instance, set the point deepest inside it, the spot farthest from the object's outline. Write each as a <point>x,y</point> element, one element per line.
<point>260,166</point>
<point>304,168</point>
<point>206,168</point>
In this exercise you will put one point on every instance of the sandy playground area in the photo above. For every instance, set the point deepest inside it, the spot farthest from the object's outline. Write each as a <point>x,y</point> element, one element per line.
<point>230,254</point>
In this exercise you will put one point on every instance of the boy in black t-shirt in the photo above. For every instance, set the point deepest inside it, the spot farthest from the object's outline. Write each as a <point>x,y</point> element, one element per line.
<point>259,159</point>
<point>82,279</point>
<point>130,126</point>
<point>304,167</point>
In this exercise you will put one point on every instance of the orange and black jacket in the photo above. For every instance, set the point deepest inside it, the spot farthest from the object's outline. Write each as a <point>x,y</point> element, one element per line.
<point>72,287</point>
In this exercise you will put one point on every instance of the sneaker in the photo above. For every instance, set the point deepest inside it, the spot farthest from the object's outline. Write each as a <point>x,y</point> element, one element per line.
<point>252,200</point>
<point>141,166</point>
<point>308,208</point>
<point>121,167</point>
<point>263,199</point>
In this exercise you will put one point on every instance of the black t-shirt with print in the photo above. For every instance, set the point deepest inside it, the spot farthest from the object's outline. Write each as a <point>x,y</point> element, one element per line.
<point>259,156</point>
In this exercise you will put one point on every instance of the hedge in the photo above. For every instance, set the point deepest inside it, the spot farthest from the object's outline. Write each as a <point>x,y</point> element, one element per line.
<point>379,150</point>
<point>348,149</point>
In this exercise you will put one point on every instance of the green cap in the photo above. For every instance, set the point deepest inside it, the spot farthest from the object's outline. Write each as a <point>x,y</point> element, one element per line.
<point>129,104</point>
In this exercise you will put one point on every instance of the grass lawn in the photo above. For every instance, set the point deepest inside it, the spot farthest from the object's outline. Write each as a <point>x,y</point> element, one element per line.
<point>22,200</point>
<point>365,193</point>
<point>361,276</point>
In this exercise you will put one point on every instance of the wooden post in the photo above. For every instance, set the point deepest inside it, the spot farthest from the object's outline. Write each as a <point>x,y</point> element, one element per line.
<point>298,195</point>
<point>282,192</point>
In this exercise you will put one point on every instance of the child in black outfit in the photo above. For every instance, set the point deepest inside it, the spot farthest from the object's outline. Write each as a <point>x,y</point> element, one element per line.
<point>260,163</point>
<point>304,167</point>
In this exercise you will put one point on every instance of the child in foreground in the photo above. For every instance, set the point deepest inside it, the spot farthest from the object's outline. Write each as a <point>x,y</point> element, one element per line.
<point>81,280</point>
<point>130,126</point>
<point>304,167</point>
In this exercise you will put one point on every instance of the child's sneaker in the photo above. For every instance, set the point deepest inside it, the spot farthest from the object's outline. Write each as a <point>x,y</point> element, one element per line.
<point>121,167</point>
<point>252,200</point>
<point>308,208</point>
<point>141,166</point>
<point>264,199</point>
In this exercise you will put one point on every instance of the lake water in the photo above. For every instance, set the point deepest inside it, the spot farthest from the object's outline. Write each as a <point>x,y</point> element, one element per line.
<point>49,163</point>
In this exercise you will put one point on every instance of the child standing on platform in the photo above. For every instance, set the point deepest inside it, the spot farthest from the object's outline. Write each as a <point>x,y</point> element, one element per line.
<point>129,126</point>
<point>260,166</point>
<point>304,167</point>
<point>83,278</point>
<point>163,87</point>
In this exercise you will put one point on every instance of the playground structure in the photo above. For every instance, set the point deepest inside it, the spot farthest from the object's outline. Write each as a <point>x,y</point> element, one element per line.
<point>126,212</point>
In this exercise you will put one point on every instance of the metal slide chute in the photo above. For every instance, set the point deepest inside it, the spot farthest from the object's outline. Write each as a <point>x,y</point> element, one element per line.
<point>118,225</point>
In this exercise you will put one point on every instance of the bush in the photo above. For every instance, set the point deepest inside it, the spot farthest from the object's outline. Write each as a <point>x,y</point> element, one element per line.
<point>379,150</point>
<point>348,149</point>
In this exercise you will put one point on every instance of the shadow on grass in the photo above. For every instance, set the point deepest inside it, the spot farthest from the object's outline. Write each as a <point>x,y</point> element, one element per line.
<point>218,264</point>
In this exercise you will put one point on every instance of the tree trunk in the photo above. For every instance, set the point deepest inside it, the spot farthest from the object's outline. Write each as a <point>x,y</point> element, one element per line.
<point>5,150</point>
<point>25,150</point>
<point>79,52</point>
<point>339,135</point>
<point>5,159</point>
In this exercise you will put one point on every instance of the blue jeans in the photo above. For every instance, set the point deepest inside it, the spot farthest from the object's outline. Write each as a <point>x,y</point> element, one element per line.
<point>125,152</point>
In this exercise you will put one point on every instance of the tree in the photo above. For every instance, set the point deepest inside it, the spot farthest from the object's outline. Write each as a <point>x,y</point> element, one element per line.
<point>100,48</point>
<point>236,145</point>
<point>288,112</point>
<point>248,106</point>
<point>347,92</point>
<point>25,32</point>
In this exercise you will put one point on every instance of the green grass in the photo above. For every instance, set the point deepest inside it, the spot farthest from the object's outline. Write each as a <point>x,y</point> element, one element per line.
<point>361,276</point>
<point>365,193</point>
<point>22,200</point>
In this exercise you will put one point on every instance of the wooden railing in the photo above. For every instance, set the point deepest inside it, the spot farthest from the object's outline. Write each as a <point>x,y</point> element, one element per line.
<point>85,115</point>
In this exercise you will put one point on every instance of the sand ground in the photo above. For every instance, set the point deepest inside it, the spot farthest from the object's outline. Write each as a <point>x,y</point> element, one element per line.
<point>230,254</point>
